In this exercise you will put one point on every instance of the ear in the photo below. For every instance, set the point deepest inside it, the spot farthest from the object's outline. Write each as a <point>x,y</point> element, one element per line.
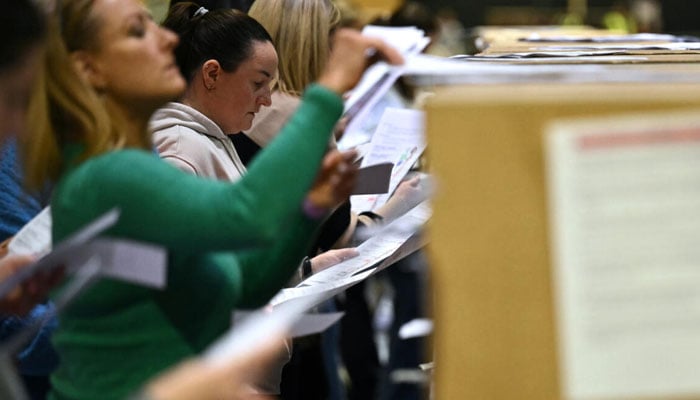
<point>88,69</point>
<point>211,69</point>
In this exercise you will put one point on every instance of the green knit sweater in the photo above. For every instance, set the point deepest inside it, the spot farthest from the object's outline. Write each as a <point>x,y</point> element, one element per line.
<point>229,245</point>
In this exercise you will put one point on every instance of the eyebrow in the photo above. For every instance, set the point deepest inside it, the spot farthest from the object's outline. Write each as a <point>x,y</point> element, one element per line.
<point>267,74</point>
<point>140,15</point>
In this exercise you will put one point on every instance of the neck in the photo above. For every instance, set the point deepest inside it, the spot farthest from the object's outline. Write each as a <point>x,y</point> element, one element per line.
<point>193,97</point>
<point>133,120</point>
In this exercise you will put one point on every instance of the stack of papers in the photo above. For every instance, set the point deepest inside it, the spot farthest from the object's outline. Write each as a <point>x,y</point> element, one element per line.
<point>378,79</point>
<point>399,140</point>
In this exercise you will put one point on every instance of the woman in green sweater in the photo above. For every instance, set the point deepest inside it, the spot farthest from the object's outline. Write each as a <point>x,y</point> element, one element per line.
<point>92,140</point>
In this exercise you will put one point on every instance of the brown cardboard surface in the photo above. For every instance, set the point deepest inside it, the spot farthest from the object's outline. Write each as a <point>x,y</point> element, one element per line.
<point>492,298</point>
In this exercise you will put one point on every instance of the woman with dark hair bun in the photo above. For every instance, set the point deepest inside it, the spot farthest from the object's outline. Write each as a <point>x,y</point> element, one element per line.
<point>229,63</point>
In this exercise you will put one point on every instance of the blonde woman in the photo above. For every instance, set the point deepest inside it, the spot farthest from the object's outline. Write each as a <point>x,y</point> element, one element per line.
<point>300,31</point>
<point>91,137</point>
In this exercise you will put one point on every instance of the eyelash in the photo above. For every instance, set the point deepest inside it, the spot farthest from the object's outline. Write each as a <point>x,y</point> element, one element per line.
<point>137,31</point>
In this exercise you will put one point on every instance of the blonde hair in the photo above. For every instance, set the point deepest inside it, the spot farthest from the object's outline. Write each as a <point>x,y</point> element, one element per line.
<point>300,31</point>
<point>65,109</point>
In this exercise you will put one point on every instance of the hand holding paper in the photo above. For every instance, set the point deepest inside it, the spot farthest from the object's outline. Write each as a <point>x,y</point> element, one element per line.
<point>335,180</point>
<point>348,59</point>
<point>25,296</point>
<point>332,257</point>
<point>408,194</point>
<point>232,379</point>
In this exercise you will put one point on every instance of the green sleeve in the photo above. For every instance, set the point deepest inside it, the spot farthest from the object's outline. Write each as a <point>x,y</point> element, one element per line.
<point>162,205</point>
<point>260,268</point>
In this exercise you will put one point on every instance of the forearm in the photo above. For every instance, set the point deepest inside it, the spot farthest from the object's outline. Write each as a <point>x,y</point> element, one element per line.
<point>267,270</point>
<point>291,161</point>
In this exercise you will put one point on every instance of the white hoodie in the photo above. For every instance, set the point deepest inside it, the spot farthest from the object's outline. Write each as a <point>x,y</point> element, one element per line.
<point>195,144</point>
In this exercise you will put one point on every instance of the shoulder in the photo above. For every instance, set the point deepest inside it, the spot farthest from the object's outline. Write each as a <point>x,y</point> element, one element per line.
<point>285,102</point>
<point>179,140</point>
<point>118,165</point>
<point>270,120</point>
<point>103,182</point>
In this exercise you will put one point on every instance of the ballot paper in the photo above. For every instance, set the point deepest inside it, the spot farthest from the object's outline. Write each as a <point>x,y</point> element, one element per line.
<point>394,241</point>
<point>400,140</point>
<point>365,127</point>
<point>71,251</point>
<point>675,47</point>
<point>251,334</point>
<point>552,52</point>
<point>429,70</point>
<point>624,201</point>
<point>638,37</point>
<point>129,261</point>
<point>33,238</point>
<point>544,59</point>
<point>377,80</point>
<point>416,328</point>
<point>306,324</point>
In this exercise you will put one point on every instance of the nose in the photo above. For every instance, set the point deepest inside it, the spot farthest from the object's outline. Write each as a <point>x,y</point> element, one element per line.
<point>265,99</point>
<point>169,38</point>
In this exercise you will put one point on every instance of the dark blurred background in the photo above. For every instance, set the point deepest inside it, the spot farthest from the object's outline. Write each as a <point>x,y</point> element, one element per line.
<point>678,16</point>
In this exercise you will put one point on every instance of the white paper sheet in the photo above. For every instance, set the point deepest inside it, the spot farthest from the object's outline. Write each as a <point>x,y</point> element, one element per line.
<point>416,328</point>
<point>377,80</point>
<point>132,262</point>
<point>426,70</point>
<point>405,39</point>
<point>252,333</point>
<point>400,140</point>
<point>35,237</point>
<point>306,324</point>
<point>625,223</point>
<point>639,37</point>
<point>679,47</point>
<point>387,246</point>
<point>593,59</point>
<point>364,128</point>
<point>128,261</point>
<point>72,251</point>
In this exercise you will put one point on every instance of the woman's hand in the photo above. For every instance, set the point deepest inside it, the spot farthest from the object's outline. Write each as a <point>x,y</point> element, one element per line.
<point>408,194</point>
<point>32,291</point>
<point>332,257</point>
<point>352,53</point>
<point>334,182</point>
<point>197,379</point>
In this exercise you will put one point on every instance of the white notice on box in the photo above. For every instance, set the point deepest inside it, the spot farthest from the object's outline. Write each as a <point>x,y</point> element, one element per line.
<point>625,226</point>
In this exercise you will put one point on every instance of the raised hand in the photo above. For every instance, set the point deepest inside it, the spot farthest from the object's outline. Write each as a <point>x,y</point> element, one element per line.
<point>352,53</point>
<point>334,182</point>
